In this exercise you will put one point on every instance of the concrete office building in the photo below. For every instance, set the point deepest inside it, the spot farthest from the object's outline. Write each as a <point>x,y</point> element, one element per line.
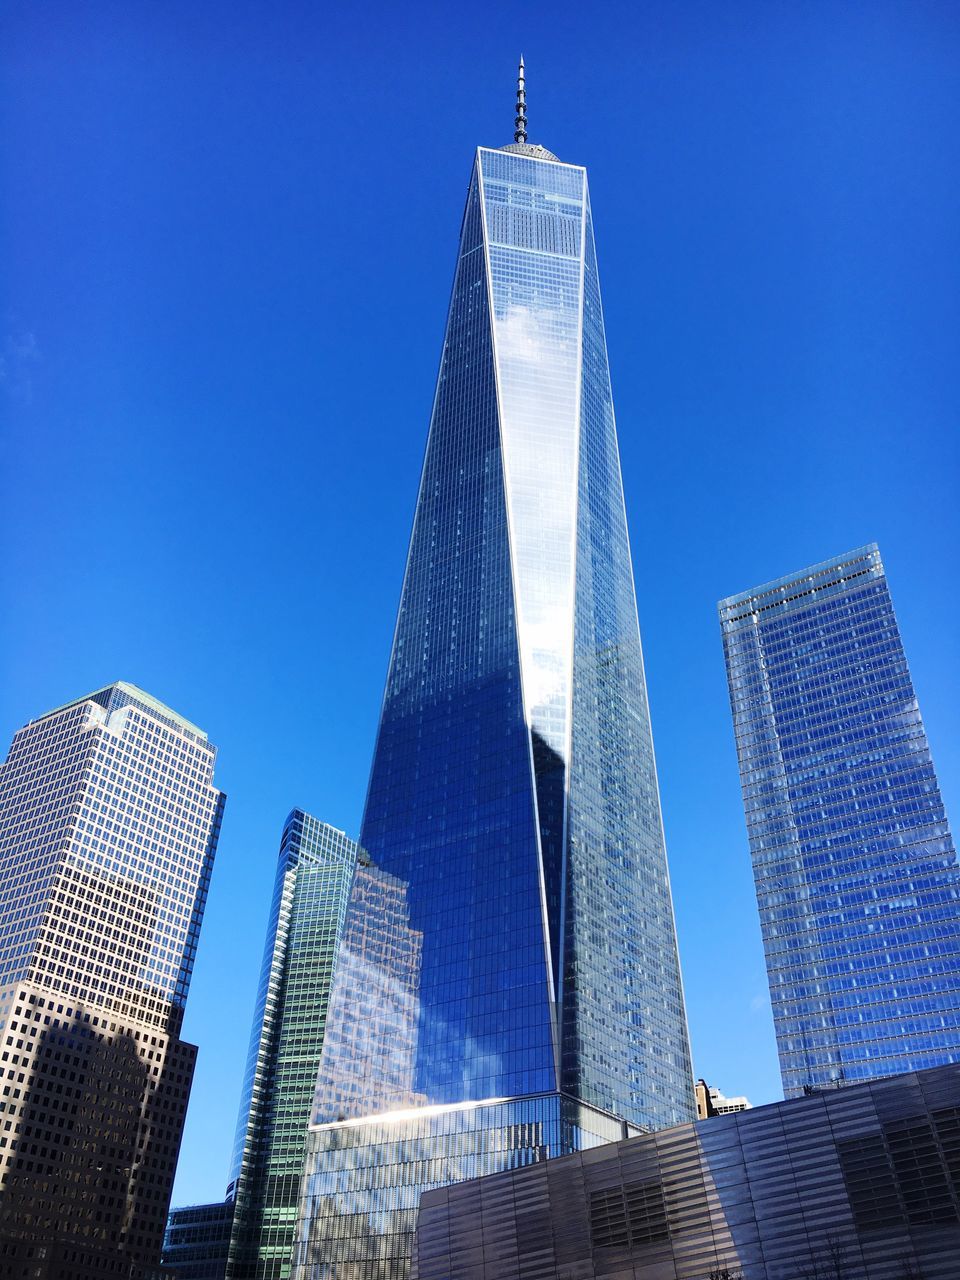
<point>711,1102</point>
<point>108,827</point>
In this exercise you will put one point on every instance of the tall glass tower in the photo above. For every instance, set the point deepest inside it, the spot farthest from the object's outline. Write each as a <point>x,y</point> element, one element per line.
<point>856,872</point>
<point>516,920</point>
<point>314,873</point>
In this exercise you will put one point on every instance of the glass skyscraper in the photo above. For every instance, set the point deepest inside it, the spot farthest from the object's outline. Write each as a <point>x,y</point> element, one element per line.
<point>108,827</point>
<point>314,873</point>
<point>515,922</point>
<point>856,872</point>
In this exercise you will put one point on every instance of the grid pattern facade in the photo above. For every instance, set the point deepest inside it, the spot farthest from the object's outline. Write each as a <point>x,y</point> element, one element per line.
<point>108,826</point>
<point>513,803</point>
<point>385,1163</point>
<point>854,1184</point>
<point>855,868</point>
<point>314,875</point>
<point>374,1022</point>
<point>198,1236</point>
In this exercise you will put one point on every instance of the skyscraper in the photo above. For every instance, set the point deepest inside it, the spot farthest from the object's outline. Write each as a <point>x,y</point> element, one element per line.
<point>524,928</point>
<point>856,872</point>
<point>314,874</point>
<point>108,827</point>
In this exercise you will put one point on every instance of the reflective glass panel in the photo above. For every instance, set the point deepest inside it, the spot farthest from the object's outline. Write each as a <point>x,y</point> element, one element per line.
<point>855,868</point>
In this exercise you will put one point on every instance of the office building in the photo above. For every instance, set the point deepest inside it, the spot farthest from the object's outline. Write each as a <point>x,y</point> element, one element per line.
<point>314,874</point>
<point>108,826</point>
<point>711,1102</point>
<point>513,809</point>
<point>853,1184</point>
<point>197,1240</point>
<point>855,869</point>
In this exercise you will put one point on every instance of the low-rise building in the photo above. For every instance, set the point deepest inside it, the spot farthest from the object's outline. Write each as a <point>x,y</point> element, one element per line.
<point>859,1183</point>
<point>198,1237</point>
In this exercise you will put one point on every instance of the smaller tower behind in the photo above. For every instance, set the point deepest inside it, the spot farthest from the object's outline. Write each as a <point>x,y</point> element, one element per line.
<point>855,868</point>
<point>314,873</point>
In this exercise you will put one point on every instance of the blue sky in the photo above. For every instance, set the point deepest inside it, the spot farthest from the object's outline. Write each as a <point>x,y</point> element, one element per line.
<point>227,242</point>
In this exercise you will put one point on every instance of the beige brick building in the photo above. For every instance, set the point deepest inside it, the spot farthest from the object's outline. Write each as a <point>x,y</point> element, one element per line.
<point>108,828</point>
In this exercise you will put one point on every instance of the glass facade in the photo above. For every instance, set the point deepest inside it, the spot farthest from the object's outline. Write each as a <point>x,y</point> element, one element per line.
<point>109,822</point>
<point>195,1245</point>
<point>314,874</point>
<point>383,1163</point>
<point>516,916</point>
<point>856,872</point>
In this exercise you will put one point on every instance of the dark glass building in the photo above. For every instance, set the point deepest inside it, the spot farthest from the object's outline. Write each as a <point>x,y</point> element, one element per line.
<point>854,1184</point>
<point>314,874</point>
<point>515,922</point>
<point>197,1239</point>
<point>856,872</point>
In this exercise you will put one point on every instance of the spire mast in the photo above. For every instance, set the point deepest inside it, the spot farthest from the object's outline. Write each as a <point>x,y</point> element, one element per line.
<point>520,133</point>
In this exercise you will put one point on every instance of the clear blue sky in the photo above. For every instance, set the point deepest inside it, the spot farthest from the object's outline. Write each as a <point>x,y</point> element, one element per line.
<point>228,236</point>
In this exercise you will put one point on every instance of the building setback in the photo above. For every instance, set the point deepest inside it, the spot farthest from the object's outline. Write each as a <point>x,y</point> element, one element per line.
<point>108,827</point>
<point>314,873</point>
<point>855,868</point>
<point>851,1184</point>
<point>521,933</point>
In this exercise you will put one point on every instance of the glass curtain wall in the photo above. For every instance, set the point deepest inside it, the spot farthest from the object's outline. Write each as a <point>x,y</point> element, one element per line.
<point>855,868</point>
<point>527,936</point>
<point>314,874</point>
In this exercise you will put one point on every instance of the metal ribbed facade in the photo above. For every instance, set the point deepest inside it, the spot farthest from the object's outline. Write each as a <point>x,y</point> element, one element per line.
<point>861,1183</point>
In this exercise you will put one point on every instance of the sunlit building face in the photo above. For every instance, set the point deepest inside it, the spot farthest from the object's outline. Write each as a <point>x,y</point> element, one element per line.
<point>109,822</point>
<point>855,867</point>
<point>515,921</point>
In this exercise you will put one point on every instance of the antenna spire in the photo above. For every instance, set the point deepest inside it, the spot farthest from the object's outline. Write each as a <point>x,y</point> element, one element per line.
<point>520,133</point>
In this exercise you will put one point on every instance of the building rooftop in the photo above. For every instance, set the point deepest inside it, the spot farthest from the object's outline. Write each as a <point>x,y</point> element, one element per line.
<point>531,149</point>
<point>130,693</point>
<point>805,587</point>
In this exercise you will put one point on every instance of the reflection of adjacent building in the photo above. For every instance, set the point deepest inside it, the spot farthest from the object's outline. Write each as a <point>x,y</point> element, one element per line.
<point>371,1044</point>
<point>314,874</point>
<point>855,868</point>
<point>861,1183</point>
<point>711,1102</point>
<point>512,810</point>
<point>108,827</point>
<point>382,1164</point>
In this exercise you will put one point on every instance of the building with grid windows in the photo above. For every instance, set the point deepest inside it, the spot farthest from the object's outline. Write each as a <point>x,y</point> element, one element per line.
<point>108,827</point>
<point>521,935</point>
<point>197,1240</point>
<point>314,874</point>
<point>856,872</point>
